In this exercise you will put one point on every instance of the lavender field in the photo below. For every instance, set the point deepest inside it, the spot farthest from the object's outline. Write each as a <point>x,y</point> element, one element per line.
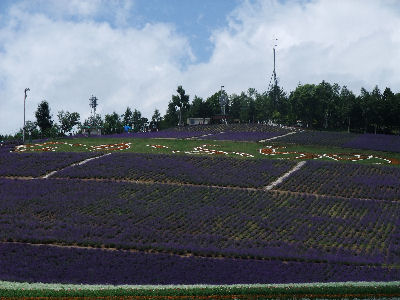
<point>346,180</point>
<point>93,266</point>
<point>37,164</point>
<point>221,171</point>
<point>142,218</point>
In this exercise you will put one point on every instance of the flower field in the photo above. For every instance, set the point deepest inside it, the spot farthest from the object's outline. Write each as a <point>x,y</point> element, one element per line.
<point>167,215</point>
<point>324,138</point>
<point>95,266</point>
<point>381,142</point>
<point>37,164</point>
<point>200,221</point>
<point>378,142</point>
<point>221,171</point>
<point>346,180</point>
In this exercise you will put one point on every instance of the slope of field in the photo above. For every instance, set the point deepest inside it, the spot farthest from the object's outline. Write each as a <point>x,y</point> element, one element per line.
<point>221,171</point>
<point>37,164</point>
<point>148,218</point>
<point>346,180</point>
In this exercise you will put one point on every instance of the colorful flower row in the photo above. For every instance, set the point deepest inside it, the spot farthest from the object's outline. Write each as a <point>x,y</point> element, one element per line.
<point>204,149</point>
<point>276,151</point>
<point>50,146</point>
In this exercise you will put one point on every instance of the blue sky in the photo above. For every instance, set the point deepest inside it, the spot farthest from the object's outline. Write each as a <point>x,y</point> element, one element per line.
<point>136,52</point>
<point>194,19</point>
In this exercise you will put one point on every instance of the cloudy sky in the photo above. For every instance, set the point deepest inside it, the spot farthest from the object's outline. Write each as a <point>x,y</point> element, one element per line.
<point>136,52</point>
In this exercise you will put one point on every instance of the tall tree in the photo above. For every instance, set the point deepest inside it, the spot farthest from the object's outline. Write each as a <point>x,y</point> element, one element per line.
<point>112,123</point>
<point>68,120</point>
<point>128,117</point>
<point>171,116</point>
<point>345,108</point>
<point>137,120</point>
<point>43,117</point>
<point>182,102</point>
<point>305,106</point>
<point>155,120</point>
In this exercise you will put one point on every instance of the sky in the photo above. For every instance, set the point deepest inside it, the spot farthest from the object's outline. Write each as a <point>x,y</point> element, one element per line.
<point>136,52</point>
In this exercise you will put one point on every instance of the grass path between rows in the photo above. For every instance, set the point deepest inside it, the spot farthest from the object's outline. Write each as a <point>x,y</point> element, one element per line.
<point>338,290</point>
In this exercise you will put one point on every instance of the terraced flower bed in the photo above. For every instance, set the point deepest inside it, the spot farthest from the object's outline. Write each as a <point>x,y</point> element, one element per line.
<point>380,142</point>
<point>201,221</point>
<point>99,266</point>
<point>37,164</point>
<point>220,171</point>
<point>346,180</point>
<point>323,138</point>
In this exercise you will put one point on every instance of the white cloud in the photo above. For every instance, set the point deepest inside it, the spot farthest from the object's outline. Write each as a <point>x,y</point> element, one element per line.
<point>353,43</point>
<point>67,55</point>
<point>65,62</point>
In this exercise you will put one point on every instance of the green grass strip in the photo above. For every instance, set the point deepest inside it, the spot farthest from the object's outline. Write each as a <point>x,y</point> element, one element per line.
<point>309,290</point>
<point>140,145</point>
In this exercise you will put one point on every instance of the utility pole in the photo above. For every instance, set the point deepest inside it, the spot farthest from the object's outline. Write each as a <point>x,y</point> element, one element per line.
<point>23,129</point>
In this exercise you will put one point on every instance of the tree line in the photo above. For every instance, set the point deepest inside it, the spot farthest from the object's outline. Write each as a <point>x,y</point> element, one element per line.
<point>322,106</point>
<point>316,106</point>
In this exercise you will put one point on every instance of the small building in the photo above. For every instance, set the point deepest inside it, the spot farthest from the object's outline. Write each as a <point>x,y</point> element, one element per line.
<point>91,131</point>
<point>198,121</point>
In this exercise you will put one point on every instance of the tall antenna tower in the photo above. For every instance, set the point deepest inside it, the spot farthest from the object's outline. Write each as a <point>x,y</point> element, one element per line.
<point>273,82</point>
<point>93,104</point>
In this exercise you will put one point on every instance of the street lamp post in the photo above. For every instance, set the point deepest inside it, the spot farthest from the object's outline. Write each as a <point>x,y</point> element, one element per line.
<point>23,129</point>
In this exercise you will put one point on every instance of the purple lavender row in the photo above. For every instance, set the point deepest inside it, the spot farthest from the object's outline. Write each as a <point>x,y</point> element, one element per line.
<point>37,164</point>
<point>241,136</point>
<point>222,171</point>
<point>244,127</point>
<point>7,146</point>
<point>347,180</point>
<point>200,220</point>
<point>380,142</point>
<point>47,264</point>
<point>155,134</point>
<point>323,138</point>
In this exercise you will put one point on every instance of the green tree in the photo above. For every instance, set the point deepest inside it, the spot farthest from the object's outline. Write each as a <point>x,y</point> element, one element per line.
<point>213,105</point>
<point>43,117</point>
<point>93,122</point>
<point>67,120</point>
<point>305,105</point>
<point>155,120</point>
<point>171,118</point>
<point>137,120</point>
<point>391,110</point>
<point>32,130</point>
<point>112,123</point>
<point>346,108</point>
<point>127,117</point>
<point>182,102</point>
<point>196,107</point>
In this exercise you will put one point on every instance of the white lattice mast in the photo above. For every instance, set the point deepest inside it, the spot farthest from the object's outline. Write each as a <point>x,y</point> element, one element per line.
<point>93,104</point>
<point>274,86</point>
